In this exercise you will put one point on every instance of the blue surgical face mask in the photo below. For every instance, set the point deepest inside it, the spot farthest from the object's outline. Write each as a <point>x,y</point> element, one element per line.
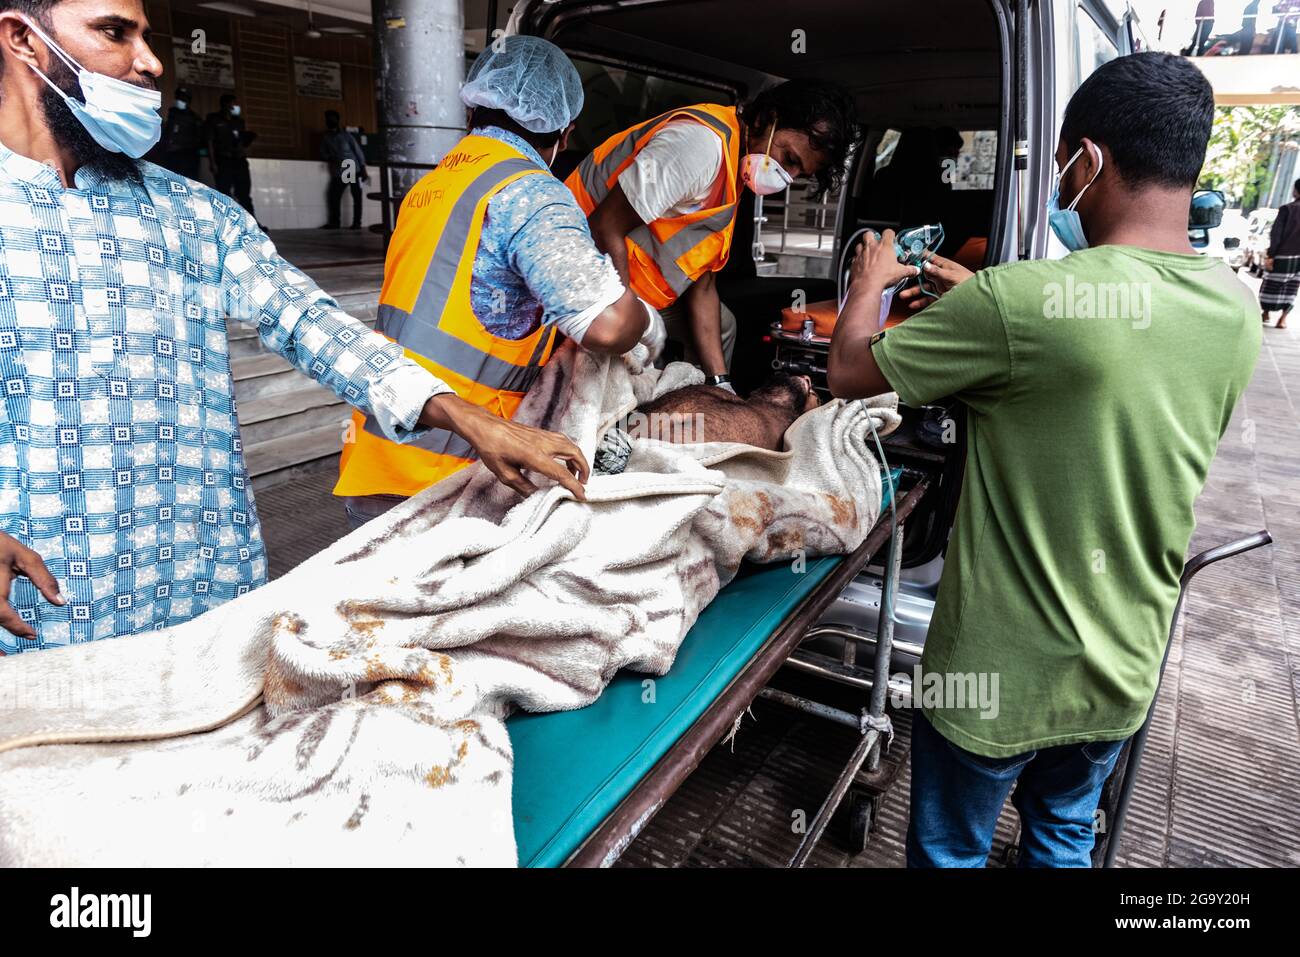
<point>120,116</point>
<point>1066,222</point>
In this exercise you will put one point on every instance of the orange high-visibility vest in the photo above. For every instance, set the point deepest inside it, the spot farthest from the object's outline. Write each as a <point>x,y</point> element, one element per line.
<point>424,306</point>
<point>666,256</point>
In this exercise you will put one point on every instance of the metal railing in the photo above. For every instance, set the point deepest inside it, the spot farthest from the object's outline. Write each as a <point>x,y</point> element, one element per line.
<point>799,216</point>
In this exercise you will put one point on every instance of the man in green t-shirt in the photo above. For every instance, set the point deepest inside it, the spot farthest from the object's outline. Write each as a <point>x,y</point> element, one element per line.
<point>1097,388</point>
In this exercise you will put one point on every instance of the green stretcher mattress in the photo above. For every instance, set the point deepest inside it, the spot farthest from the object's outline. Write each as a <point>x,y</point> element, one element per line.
<point>573,768</point>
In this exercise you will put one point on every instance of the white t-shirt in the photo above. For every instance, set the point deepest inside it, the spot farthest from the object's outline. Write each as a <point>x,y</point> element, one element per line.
<point>678,172</point>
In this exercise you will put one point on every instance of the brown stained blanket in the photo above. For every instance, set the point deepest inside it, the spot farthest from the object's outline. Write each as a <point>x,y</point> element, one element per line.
<point>352,712</point>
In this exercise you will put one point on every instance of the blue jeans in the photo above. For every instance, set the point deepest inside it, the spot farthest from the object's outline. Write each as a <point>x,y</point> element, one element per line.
<point>362,508</point>
<point>957,797</point>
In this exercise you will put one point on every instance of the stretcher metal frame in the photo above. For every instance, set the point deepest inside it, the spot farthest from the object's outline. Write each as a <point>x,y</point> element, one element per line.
<point>1118,789</point>
<point>610,839</point>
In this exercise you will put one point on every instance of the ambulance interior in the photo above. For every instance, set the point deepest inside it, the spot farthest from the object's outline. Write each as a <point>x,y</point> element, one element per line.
<point>932,86</point>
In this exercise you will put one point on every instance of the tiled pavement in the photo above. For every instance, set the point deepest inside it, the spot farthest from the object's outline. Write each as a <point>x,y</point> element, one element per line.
<point>1222,771</point>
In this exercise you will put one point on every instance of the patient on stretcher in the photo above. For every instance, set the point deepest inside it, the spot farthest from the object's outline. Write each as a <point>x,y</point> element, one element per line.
<point>706,413</point>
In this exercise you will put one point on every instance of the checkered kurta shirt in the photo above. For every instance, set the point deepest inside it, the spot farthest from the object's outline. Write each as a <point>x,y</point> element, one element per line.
<point>120,458</point>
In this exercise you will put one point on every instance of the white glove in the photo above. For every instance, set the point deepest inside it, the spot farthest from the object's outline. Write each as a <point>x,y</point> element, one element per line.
<point>656,333</point>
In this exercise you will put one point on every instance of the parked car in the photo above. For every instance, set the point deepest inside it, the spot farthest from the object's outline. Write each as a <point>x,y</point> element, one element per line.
<point>1206,214</point>
<point>1222,240</point>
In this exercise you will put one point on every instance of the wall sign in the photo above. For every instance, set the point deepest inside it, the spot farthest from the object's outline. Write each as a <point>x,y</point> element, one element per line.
<point>319,78</point>
<point>215,66</point>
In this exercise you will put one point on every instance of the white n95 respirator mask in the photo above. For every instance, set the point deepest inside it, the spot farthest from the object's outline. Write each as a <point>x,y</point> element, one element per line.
<point>761,173</point>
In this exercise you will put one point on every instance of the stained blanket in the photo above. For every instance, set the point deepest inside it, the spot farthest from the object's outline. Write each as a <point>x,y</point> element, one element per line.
<point>352,712</point>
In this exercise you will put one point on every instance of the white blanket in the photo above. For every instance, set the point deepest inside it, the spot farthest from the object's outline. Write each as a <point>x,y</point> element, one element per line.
<point>352,712</point>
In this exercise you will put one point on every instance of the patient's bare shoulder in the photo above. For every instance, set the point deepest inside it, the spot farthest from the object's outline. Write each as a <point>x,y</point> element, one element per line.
<point>705,413</point>
<point>691,398</point>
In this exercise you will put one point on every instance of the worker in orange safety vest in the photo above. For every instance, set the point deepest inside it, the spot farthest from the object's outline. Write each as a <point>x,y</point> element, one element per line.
<point>662,197</point>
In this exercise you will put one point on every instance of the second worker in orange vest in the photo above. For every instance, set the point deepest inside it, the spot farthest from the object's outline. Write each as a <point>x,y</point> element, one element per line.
<point>661,197</point>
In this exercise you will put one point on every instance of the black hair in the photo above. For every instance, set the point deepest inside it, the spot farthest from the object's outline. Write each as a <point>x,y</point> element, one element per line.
<point>1296,186</point>
<point>781,389</point>
<point>332,118</point>
<point>820,109</point>
<point>483,116</point>
<point>36,9</point>
<point>1152,111</point>
<point>227,99</point>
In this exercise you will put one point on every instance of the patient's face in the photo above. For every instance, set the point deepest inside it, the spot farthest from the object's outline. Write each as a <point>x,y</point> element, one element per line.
<point>810,400</point>
<point>792,391</point>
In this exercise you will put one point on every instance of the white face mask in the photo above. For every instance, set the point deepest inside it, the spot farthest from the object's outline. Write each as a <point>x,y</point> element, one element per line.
<point>234,110</point>
<point>122,117</point>
<point>761,173</point>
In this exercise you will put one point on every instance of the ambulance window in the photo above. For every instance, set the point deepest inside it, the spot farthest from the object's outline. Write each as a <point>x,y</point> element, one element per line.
<point>885,151</point>
<point>615,99</point>
<point>1093,46</point>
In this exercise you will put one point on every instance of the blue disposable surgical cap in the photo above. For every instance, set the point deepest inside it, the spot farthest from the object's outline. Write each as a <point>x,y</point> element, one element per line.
<point>529,79</point>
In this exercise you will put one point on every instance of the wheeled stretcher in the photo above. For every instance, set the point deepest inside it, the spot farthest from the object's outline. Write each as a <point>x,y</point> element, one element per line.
<point>587,782</point>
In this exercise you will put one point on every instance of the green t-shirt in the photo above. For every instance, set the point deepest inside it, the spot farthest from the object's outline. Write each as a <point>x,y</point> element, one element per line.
<point>1097,386</point>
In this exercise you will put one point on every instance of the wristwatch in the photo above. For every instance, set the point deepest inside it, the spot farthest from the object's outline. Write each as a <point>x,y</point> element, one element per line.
<point>723,379</point>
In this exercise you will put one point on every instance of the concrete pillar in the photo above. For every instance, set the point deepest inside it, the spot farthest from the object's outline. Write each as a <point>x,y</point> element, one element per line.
<point>420,66</point>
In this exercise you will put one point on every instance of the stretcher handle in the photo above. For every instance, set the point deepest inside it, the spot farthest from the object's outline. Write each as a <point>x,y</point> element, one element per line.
<point>1220,552</point>
<point>1137,744</point>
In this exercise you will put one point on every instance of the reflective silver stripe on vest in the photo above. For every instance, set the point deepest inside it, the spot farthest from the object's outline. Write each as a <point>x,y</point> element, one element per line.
<point>458,355</point>
<point>595,179</point>
<point>469,362</point>
<point>420,335</point>
<point>596,176</point>
<point>419,329</point>
<point>685,239</point>
<point>435,440</point>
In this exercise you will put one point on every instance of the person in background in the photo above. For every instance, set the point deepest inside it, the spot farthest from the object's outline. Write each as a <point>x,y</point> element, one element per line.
<point>490,262</point>
<point>1088,441</point>
<point>1244,39</point>
<point>182,136</point>
<point>227,151</point>
<point>1288,13</point>
<point>1204,27</point>
<point>1282,261</point>
<point>125,503</point>
<point>347,169</point>
<point>662,197</point>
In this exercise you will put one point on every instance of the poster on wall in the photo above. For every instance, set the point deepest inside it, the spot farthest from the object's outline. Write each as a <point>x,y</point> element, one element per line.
<point>977,161</point>
<point>320,78</point>
<point>215,66</point>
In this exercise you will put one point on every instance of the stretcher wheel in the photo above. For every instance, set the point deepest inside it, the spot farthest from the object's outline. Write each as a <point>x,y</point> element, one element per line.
<point>861,818</point>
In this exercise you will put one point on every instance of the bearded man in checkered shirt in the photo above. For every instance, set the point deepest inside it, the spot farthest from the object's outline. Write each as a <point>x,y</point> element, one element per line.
<point>124,499</point>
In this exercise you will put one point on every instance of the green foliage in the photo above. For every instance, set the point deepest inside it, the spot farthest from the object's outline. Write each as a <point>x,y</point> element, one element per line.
<point>1241,144</point>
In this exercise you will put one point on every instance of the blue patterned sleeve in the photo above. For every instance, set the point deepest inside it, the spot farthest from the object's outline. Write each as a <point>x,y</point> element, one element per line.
<point>552,249</point>
<point>299,321</point>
